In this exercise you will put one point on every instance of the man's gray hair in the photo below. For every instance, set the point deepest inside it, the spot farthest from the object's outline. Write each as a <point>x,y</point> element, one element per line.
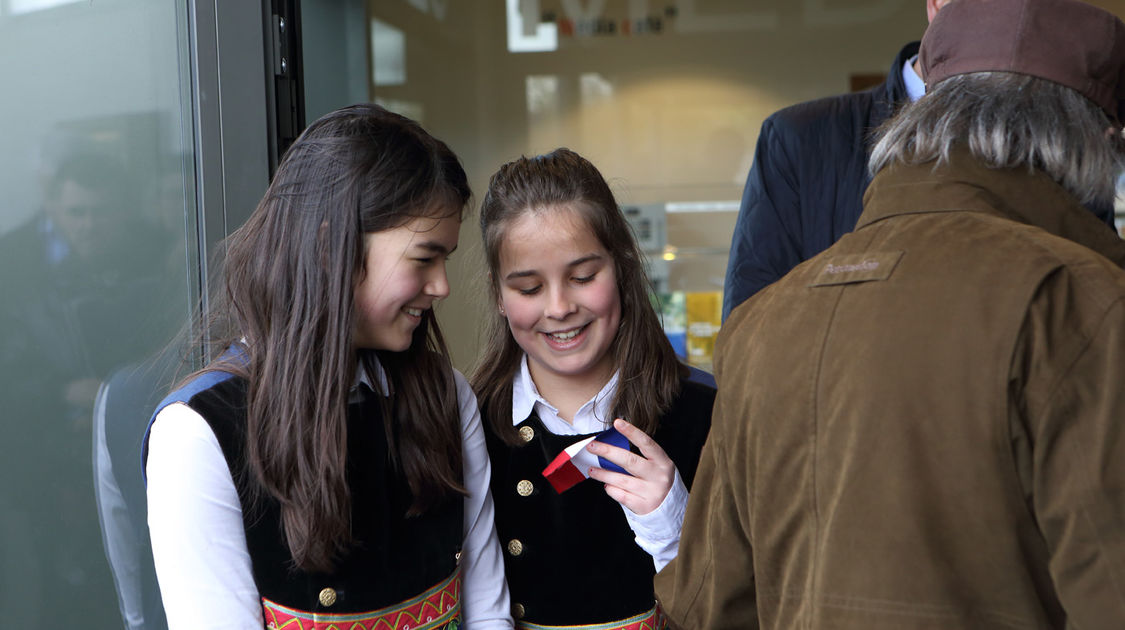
<point>1009,120</point>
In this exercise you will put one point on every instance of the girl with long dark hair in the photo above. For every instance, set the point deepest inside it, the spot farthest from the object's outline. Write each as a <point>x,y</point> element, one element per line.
<point>330,466</point>
<point>575,350</point>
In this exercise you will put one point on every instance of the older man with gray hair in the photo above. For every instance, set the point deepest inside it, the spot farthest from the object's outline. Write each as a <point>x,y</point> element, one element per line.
<point>924,426</point>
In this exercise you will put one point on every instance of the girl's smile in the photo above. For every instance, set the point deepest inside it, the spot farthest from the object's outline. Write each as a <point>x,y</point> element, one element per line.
<point>566,339</point>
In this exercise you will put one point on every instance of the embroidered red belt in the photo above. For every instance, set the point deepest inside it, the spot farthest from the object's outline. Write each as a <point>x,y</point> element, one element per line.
<point>651,620</point>
<point>439,608</point>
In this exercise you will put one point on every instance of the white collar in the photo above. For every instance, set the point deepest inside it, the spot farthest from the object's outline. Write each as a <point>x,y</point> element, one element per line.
<point>915,86</point>
<point>363,378</point>
<point>591,417</point>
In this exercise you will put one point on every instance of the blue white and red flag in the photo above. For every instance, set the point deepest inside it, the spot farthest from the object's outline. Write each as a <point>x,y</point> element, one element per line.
<point>572,465</point>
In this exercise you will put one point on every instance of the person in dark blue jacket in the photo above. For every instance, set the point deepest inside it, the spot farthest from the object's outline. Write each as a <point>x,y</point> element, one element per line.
<point>805,188</point>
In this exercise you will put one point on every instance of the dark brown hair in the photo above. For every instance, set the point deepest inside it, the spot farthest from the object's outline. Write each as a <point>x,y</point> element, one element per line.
<point>649,370</point>
<point>288,308</point>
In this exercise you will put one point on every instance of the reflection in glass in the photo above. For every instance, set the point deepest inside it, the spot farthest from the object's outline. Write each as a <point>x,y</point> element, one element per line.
<point>594,89</point>
<point>124,402</point>
<point>19,7</point>
<point>660,95</point>
<point>388,54</point>
<point>94,273</point>
<point>86,295</point>
<point>525,32</point>
<point>543,95</point>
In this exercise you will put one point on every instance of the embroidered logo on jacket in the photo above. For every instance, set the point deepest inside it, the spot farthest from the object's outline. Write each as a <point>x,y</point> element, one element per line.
<point>852,268</point>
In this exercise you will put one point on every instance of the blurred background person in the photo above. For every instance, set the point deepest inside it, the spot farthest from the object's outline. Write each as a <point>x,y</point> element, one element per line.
<point>75,309</point>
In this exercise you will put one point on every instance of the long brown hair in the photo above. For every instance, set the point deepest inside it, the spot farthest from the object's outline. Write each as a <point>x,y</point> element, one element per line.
<point>649,370</point>
<point>288,308</point>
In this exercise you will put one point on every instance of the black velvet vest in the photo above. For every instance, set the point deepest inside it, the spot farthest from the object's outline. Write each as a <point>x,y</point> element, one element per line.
<point>570,558</point>
<point>394,558</point>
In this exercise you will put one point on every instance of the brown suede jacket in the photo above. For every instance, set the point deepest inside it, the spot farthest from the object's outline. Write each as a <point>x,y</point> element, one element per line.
<point>924,426</point>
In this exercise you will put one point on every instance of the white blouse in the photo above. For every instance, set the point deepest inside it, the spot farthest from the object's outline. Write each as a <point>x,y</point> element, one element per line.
<point>657,532</point>
<point>199,545</point>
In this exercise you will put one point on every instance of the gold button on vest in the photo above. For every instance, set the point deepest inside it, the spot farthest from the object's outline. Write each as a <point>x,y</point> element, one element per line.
<point>327,597</point>
<point>527,433</point>
<point>524,488</point>
<point>515,547</point>
<point>517,610</point>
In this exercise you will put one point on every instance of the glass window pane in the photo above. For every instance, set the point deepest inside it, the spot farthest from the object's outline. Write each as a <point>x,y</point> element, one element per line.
<point>665,98</point>
<point>95,274</point>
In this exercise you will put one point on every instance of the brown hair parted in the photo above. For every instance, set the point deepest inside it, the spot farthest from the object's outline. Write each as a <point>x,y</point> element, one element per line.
<point>649,369</point>
<point>288,309</point>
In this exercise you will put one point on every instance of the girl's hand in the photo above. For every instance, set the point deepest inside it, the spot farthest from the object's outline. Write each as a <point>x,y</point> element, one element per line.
<point>652,471</point>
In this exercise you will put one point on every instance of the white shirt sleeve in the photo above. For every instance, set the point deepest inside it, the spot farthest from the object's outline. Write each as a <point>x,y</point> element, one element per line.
<point>195,521</point>
<point>658,532</point>
<point>484,600</point>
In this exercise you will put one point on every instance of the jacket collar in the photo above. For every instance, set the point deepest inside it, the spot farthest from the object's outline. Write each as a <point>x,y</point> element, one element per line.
<point>524,394</point>
<point>895,86</point>
<point>966,184</point>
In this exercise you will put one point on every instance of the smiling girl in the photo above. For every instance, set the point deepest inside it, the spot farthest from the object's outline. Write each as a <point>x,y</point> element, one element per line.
<point>575,344</point>
<point>330,466</point>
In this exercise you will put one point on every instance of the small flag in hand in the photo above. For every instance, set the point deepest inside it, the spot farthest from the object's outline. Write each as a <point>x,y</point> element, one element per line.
<point>571,465</point>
